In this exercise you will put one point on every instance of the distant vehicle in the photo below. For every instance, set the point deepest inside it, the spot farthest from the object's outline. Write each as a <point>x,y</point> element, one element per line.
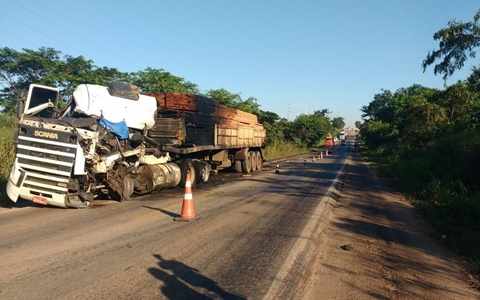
<point>116,141</point>
<point>329,141</point>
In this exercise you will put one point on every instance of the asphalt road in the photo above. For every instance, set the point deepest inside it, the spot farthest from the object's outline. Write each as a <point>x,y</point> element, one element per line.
<point>249,226</point>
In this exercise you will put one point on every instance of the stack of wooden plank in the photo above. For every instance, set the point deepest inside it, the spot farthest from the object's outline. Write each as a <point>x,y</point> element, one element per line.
<point>210,123</point>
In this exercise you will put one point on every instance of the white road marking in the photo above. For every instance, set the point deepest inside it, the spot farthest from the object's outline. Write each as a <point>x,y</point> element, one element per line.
<point>309,232</point>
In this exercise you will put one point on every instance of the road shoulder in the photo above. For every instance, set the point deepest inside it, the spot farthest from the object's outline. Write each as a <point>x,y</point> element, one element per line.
<point>376,246</point>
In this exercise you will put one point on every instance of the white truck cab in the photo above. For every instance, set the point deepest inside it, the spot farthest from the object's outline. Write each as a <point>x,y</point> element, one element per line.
<point>47,153</point>
<point>62,157</point>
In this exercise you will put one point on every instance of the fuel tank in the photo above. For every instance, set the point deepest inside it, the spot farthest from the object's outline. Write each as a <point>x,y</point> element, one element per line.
<point>156,177</point>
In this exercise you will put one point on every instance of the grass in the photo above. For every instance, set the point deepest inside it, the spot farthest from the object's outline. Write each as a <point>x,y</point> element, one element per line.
<point>7,155</point>
<point>278,150</point>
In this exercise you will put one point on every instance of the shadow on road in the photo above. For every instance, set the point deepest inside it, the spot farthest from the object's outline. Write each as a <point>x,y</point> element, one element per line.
<point>167,212</point>
<point>181,281</point>
<point>392,225</point>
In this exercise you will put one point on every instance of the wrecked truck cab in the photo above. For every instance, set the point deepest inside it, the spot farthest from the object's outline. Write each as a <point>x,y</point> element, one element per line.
<point>95,146</point>
<point>48,158</point>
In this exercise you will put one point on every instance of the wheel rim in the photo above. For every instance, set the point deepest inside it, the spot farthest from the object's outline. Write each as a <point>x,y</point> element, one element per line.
<point>238,166</point>
<point>259,161</point>
<point>204,174</point>
<point>246,164</point>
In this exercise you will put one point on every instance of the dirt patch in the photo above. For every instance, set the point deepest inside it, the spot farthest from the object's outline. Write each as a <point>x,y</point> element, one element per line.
<point>378,247</point>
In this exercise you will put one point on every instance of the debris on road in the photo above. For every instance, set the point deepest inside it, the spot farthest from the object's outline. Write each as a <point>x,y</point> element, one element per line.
<point>346,247</point>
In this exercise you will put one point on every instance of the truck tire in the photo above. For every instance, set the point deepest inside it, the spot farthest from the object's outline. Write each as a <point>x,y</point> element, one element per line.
<point>259,161</point>
<point>253,160</point>
<point>186,165</point>
<point>202,171</point>
<point>128,187</point>
<point>238,166</point>
<point>247,164</point>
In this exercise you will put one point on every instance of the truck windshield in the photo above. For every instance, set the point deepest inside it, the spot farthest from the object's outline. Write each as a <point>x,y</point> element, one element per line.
<point>39,97</point>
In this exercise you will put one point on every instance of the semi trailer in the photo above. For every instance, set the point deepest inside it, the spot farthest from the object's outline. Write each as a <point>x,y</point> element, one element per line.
<point>116,142</point>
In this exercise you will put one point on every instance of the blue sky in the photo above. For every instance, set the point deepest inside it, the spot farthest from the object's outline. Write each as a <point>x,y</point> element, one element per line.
<point>294,56</point>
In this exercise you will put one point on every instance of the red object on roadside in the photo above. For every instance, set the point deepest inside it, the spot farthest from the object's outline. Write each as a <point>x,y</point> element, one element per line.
<point>329,142</point>
<point>188,209</point>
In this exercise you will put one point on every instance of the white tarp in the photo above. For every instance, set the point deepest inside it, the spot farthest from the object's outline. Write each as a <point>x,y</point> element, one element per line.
<point>95,100</point>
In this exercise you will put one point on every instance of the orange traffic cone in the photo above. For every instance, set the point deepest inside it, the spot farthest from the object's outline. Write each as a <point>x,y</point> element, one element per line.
<point>188,208</point>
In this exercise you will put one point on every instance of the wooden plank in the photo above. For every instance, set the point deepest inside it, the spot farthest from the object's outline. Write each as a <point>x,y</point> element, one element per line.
<point>203,105</point>
<point>207,122</point>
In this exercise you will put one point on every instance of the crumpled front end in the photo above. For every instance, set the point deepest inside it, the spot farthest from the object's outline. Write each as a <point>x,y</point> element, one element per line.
<point>41,190</point>
<point>44,163</point>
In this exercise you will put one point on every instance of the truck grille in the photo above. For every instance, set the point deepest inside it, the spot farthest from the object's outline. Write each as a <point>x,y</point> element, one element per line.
<point>48,164</point>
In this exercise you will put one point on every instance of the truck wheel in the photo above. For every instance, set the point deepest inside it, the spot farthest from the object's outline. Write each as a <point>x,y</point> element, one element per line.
<point>202,170</point>
<point>185,166</point>
<point>259,161</point>
<point>128,187</point>
<point>253,160</point>
<point>247,164</point>
<point>238,166</point>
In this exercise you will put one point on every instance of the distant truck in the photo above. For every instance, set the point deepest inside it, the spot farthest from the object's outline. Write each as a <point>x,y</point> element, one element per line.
<point>116,142</point>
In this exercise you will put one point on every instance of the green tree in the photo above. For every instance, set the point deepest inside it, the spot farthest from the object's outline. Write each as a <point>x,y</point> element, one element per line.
<point>311,129</point>
<point>459,103</point>
<point>473,80</point>
<point>268,117</point>
<point>428,139</point>
<point>18,69</point>
<point>224,97</point>
<point>456,43</point>
<point>158,80</point>
<point>322,112</point>
<point>234,100</point>
<point>378,134</point>
<point>249,105</point>
<point>338,123</point>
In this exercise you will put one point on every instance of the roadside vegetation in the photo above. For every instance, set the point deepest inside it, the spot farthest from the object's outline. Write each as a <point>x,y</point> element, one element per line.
<point>278,149</point>
<point>7,152</point>
<point>20,68</point>
<point>428,140</point>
